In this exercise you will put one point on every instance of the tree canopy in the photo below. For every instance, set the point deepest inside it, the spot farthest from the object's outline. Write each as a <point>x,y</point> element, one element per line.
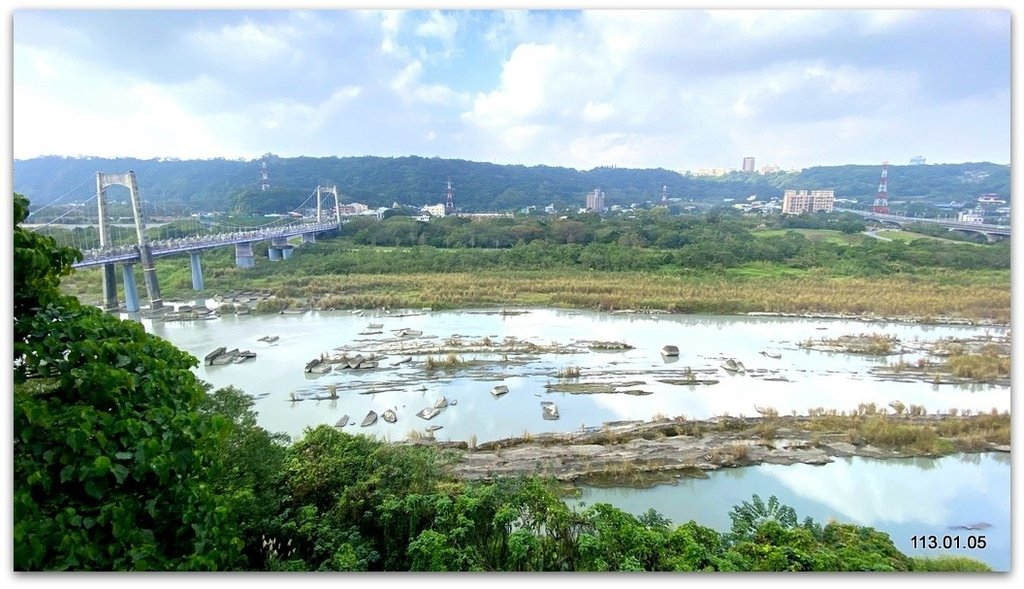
<point>112,460</point>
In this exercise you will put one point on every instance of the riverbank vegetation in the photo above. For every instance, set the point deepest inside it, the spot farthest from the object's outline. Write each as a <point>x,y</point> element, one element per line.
<point>714,263</point>
<point>978,296</point>
<point>124,461</point>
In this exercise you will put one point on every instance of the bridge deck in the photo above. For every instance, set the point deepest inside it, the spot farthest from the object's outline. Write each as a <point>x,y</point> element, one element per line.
<point>165,247</point>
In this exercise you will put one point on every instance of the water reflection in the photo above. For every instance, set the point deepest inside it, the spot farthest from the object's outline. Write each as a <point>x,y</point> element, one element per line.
<point>902,497</point>
<point>797,381</point>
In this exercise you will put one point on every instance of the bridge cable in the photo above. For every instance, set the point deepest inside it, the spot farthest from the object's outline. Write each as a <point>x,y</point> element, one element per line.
<point>59,198</point>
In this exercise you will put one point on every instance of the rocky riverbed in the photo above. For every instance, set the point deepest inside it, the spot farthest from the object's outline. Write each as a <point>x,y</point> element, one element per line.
<point>645,453</point>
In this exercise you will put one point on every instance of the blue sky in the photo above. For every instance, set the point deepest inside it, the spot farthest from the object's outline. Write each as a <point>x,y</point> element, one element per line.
<point>679,89</point>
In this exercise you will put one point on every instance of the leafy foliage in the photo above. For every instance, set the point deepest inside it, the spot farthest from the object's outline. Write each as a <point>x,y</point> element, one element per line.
<point>747,517</point>
<point>39,264</point>
<point>112,461</point>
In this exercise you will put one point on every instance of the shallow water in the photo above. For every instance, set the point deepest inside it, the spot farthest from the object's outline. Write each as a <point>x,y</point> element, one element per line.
<point>902,497</point>
<point>815,379</point>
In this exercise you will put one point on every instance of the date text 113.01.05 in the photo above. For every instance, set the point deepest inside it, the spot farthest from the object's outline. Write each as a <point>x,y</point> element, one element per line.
<point>948,542</point>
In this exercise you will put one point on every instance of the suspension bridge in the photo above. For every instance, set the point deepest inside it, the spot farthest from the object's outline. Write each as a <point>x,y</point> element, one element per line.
<point>192,237</point>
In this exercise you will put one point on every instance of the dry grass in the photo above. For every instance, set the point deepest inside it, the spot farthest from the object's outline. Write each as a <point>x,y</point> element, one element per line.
<point>730,454</point>
<point>972,295</point>
<point>569,372</point>
<point>449,362</point>
<point>766,430</point>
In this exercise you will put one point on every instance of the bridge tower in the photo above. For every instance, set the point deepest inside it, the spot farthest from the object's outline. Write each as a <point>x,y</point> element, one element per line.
<point>264,177</point>
<point>109,280</point>
<point>881,205</point>
<point>449,203</point>
<point>104,181</point>
<point>664,195</point>
<point>322,191</point>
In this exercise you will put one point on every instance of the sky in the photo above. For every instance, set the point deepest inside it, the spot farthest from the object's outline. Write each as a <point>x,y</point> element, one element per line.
<point>680,89</point>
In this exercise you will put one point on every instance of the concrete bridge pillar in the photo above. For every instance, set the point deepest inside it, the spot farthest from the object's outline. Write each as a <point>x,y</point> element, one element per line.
<point>131,292</point>
<point>309,238</point>
<point>286,251</point>
<point>244,257</point>
<point>197,271</point>
<point>109,288</point>
<point>277,247</point>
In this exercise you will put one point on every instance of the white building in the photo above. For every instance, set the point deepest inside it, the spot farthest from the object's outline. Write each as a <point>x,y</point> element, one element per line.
<point>796,202</point>
<point>991,199</point>
<point>352,209</point>
<point>711,171</point>
<point>972,216</point>
<point>434,210</point>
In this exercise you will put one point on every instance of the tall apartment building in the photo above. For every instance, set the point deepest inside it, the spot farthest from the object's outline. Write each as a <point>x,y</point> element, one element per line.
<point>796,202</point>
<point>595,200</point>
<point>748,164</point>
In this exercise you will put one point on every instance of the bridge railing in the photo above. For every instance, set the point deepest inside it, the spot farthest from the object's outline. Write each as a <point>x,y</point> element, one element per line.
<point>183,244</point>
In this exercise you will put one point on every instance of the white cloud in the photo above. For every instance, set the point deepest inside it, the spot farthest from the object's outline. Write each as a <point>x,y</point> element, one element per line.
<point>594,112</point>
<point>408,87</point>
<point>523,91</point>
<point>670,88</point>
<point>246,45</point>
<point>306,119</point>
<point>520,137</point>
<point>438,26</point>
<point>390,25</point>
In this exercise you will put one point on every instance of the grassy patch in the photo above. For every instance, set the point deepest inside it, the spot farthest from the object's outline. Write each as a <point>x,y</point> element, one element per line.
<point>909,236</point>
<point>949,564</point>
<point>825,235</point>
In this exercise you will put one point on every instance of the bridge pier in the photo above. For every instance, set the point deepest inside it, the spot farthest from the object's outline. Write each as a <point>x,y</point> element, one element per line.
<point>279,249</point>
<point>244,257</point>
<point>109,288</point>
<point>131,292</point>
<point>309,238</point>
<point>197,271</point>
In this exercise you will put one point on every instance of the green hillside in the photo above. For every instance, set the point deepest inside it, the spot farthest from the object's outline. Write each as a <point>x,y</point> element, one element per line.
<point>221,184</point>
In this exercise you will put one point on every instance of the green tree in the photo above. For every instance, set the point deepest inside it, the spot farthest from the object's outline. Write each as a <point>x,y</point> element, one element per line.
<point>250,480</point>
<point>112,462</point>
<point>39,264</point>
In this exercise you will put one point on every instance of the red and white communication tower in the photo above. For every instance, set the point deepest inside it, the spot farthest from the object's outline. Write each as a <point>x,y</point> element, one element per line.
<point>449,204</point>
<point>882,198</point>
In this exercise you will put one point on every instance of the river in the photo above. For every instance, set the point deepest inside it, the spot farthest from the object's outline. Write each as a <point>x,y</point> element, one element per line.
<point>813,379</point>
<point>901,497</point>
<point>904,498</point>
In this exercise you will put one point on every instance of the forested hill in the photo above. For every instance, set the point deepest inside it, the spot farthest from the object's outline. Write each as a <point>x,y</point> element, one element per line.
<point>221,184</point>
